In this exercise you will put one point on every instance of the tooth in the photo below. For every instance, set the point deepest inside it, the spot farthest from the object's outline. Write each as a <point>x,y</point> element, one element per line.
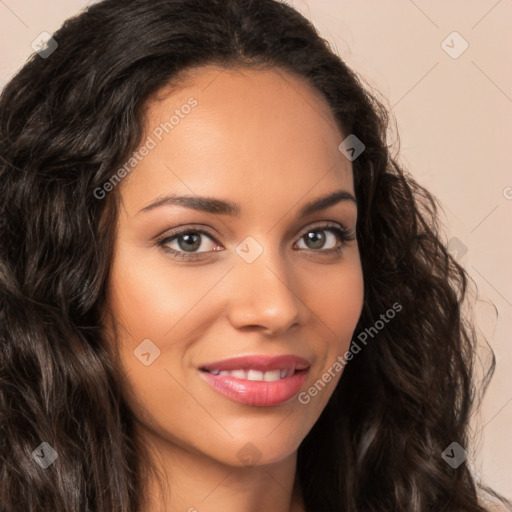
<point>254,375</point>
<point>239,374</point>
<point>272,376</point>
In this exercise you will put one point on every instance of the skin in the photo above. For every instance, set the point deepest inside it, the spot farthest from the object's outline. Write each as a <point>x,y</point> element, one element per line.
<point>267,141</point>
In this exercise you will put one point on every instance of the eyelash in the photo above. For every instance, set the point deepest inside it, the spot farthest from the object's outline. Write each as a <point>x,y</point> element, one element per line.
<point>343,234</point>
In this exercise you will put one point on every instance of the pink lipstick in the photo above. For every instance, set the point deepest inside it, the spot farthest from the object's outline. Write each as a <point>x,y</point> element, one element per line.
<point>259,381</point>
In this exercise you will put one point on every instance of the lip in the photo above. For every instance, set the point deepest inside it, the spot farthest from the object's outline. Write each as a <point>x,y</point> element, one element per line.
<point>257,393</point>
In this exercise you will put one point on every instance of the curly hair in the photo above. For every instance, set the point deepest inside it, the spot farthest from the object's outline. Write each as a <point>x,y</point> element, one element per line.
<point>66,122</point>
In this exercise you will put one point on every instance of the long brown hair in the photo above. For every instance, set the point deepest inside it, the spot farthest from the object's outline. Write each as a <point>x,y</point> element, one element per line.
<point>66,123</point>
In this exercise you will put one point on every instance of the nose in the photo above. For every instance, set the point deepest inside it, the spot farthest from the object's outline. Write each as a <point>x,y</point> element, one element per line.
<point>263,296</point>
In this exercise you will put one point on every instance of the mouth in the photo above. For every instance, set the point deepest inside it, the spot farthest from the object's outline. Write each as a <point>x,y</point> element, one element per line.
<point>258,381</point>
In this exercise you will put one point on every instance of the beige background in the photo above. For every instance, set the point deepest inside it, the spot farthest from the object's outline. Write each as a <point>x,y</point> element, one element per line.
<point>455,125</point>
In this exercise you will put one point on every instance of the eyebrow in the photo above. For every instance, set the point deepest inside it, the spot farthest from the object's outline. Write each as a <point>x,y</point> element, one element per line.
<point>219,206</point>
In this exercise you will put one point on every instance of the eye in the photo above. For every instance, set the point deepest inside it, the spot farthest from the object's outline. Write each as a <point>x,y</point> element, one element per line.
<point>317,238</point>
<point>187,243</point>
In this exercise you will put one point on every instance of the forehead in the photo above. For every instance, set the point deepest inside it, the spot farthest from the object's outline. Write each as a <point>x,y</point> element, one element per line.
<point>241,130</point>
<point>257,104</point>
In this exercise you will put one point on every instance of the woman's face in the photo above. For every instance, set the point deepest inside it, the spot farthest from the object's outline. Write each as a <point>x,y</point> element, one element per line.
<point>271,282</point>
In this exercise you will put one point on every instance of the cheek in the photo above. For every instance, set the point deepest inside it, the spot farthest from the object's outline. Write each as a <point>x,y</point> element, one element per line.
<point>342,303</point>
<point>158,311</point>
<point>337,304</point>
<point>149,300</point>
<point>337,300</point>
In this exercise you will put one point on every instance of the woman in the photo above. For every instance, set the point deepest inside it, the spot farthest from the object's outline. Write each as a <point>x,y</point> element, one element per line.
<point>219,291</point>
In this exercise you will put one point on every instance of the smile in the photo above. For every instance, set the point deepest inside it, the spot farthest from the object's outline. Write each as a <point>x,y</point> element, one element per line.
<point>258,381</point>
